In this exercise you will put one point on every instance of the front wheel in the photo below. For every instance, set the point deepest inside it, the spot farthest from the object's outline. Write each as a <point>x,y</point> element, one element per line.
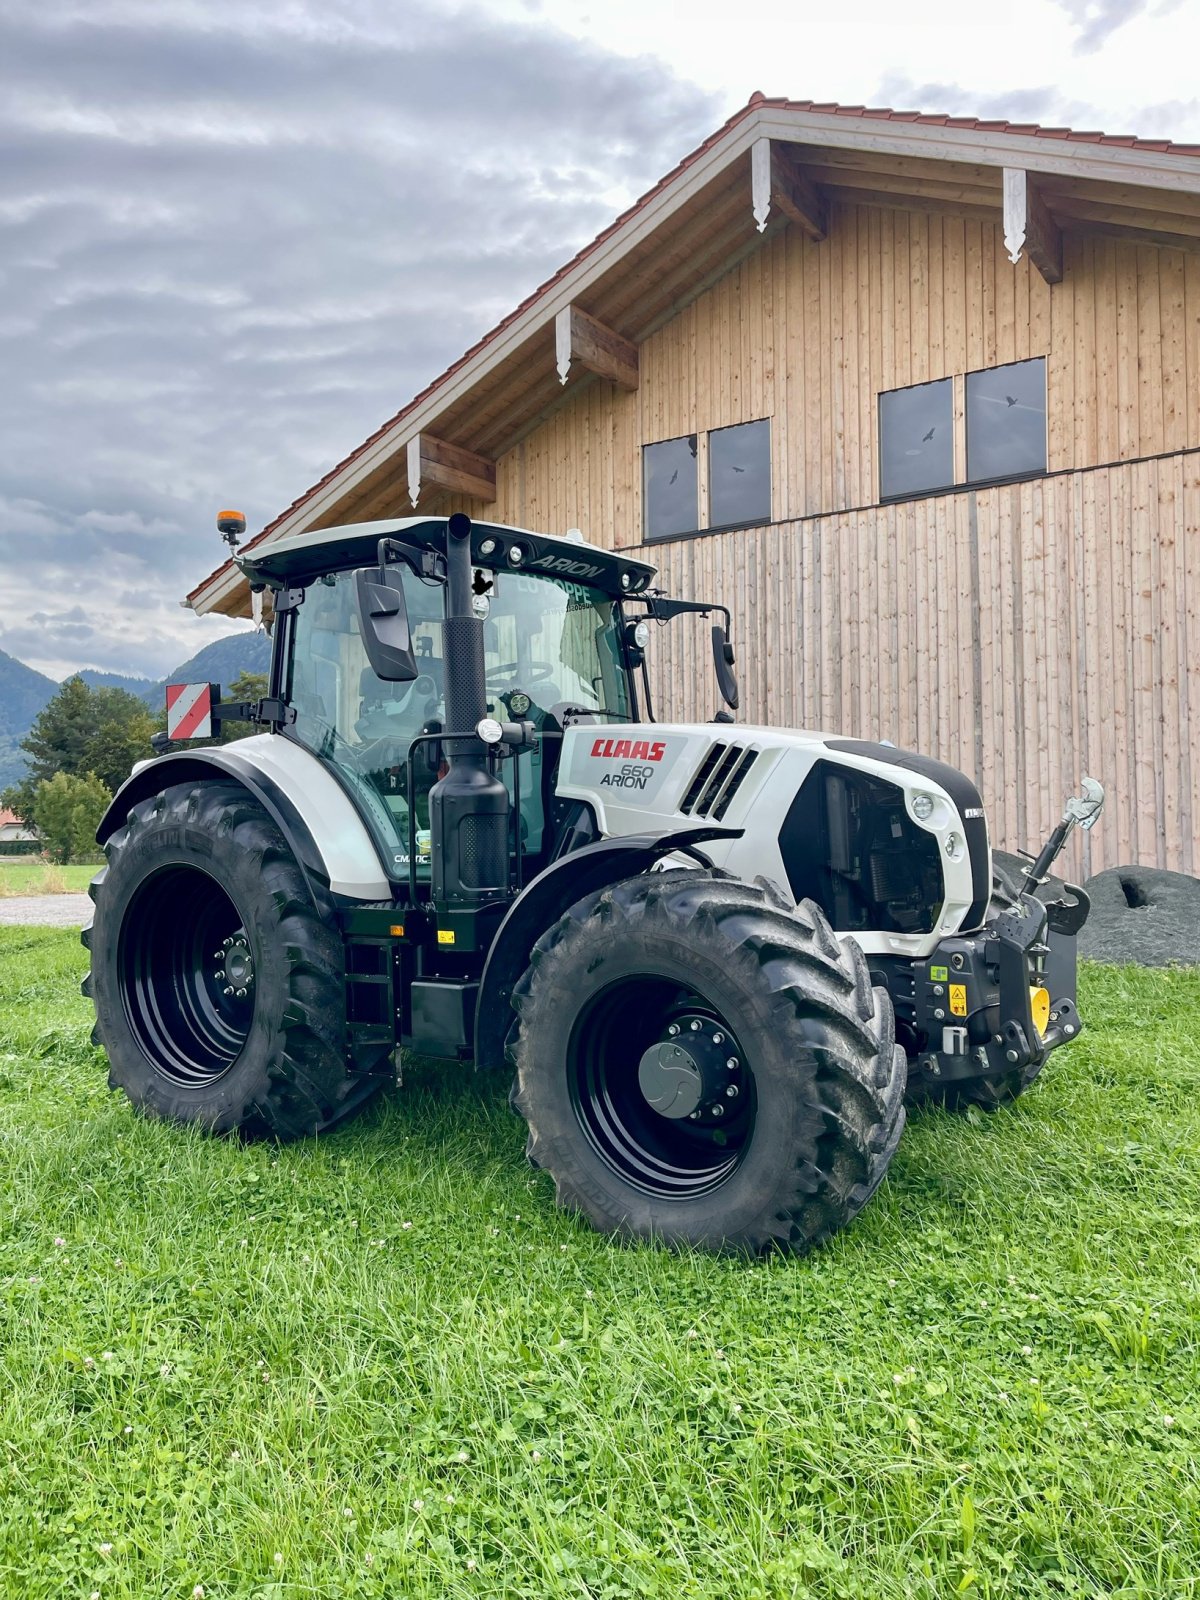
<point>219,988</point>
<point>702,1063</point>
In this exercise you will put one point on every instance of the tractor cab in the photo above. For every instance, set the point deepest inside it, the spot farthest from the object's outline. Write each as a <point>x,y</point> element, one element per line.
<point>554,655</point>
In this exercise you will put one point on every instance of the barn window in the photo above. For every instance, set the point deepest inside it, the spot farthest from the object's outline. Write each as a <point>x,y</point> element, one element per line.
<point>739,475</point>
<point>916,439</point>
<point>670,487</point>
<point>1006,421</point>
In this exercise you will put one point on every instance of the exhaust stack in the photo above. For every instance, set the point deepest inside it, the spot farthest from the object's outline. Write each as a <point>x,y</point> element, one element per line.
<point>469,807</point>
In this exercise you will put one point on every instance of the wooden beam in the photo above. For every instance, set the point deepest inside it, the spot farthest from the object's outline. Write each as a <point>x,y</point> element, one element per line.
<point>845,180</point>
<point>889,201</point>
<point>1028,225</point>
<point>436,464</point>
<point>776,180</point>
<point>580,337</point>
<point>1043,237</point>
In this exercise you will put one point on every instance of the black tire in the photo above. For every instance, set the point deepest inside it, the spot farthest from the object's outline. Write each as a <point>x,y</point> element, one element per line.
<point>994,1089</point>
<point>820,1104</point>
<point>200,879</point>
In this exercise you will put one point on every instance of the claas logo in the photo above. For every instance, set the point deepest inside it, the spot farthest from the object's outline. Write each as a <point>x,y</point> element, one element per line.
<point>629,750</point>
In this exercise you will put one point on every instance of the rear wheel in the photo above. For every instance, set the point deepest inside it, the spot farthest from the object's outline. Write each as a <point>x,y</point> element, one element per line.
<point>702,1063</point>
<point>219,988</point>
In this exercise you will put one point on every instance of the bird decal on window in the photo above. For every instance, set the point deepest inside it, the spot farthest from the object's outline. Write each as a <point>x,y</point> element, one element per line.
<point>926,437</point>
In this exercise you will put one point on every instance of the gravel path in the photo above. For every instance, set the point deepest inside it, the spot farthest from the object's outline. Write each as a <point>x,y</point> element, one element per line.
<point>46,910</point>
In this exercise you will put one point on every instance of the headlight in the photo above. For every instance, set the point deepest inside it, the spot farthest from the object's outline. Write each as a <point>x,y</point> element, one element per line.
<point>922,807</point>
<point>954,846</point>
<point>641,634</point>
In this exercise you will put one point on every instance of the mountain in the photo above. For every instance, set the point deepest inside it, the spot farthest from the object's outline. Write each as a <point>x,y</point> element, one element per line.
<point>23,692</point>
<point>116,680</point>
<point>219,662</point>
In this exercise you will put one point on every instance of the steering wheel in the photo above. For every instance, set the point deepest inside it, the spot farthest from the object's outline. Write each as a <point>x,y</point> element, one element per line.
<point>538,671</point>
<point>377,755</point>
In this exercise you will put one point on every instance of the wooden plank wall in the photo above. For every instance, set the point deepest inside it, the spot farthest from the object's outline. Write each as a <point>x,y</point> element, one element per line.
<point>810,334</point>
<point>1025,634</point>
<point>862,618</point>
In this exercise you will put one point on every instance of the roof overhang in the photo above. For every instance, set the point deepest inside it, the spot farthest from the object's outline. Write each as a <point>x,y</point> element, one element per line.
<point>773,162</point>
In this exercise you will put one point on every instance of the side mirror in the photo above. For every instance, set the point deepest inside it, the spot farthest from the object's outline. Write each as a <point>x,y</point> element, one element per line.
<point>723,661</point>
<point>383,623</point>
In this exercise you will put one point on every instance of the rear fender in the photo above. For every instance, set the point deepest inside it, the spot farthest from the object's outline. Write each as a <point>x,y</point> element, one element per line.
<point>544,901</point>
<point>311,809</point>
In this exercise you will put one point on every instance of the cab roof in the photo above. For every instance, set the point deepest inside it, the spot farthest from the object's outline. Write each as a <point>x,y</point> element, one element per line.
<point>355,544</point>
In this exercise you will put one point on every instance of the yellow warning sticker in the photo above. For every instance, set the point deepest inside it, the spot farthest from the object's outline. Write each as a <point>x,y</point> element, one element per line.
<point>445,935</point>
<point>958,999</point>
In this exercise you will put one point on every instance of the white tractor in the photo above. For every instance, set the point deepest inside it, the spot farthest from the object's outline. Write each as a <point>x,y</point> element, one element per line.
<point>719,957</point>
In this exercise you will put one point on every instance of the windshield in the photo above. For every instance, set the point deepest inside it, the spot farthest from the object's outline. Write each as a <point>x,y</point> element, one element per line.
<point>551,647</point>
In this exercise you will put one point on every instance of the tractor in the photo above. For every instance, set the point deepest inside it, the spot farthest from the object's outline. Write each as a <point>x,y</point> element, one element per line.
<point>720,958</point>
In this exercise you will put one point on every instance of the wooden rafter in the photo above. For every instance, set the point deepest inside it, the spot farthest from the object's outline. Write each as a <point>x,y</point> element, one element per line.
<point>437,464</point>
<point>1028,225</point>
<point>581,338</point>
<point>777,180</point>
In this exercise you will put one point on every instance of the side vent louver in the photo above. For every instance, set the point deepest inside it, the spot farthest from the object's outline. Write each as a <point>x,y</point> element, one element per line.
<point>716,780</point>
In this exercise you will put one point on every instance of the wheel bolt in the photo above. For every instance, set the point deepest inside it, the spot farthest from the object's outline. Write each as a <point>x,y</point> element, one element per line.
<point>221,975</point>
<point>732,1064</point>
<point>1010,1055</point>
<point>218,955</point>
<point>241,994</point>
<point>695,1025</point>
<point>718,1038</point>
<point>228,990</point>
<point>693,1116</point>
<point>227,942</point>
<point>673,1029</point>
<point>718,1110</point>
<point>731,1092</point>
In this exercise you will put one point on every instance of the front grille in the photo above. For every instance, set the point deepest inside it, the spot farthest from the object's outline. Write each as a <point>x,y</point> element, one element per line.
<point>716,780</point>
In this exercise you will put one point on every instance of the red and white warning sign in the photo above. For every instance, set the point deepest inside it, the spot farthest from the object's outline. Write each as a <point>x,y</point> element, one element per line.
<point>189,710</point>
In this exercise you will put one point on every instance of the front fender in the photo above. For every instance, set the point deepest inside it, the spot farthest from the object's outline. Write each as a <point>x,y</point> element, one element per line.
<point>312,810</point>
<point>543,902</point>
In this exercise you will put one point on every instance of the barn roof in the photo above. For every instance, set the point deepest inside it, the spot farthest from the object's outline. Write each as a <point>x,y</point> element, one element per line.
<point>697,222</point>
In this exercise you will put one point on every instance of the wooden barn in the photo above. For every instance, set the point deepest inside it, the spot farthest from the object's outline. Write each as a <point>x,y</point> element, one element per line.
<point>919,397</point>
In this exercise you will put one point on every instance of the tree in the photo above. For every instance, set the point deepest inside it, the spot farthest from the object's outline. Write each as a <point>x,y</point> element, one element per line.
<point>66,811</point>
<point>81,731</point>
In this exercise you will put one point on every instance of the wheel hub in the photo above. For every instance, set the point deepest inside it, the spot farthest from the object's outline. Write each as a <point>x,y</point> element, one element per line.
<point>690,1071</point>
<point>235,966</point>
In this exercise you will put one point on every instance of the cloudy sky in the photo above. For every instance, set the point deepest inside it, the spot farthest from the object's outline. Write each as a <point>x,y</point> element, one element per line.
<point>235,235</point>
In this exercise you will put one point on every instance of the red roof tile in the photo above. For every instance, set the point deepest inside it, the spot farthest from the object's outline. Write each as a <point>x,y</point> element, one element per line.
<point>757,99</point>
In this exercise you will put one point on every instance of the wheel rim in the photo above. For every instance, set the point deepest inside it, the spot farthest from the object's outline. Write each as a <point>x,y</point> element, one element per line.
<point>651,1039</point>
<point>187,975</point>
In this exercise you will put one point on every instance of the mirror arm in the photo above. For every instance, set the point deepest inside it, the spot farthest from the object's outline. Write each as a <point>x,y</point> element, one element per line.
<point>427,564</point>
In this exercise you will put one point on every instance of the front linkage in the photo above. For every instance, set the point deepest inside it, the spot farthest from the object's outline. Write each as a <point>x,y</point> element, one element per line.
<point>989,1007</point>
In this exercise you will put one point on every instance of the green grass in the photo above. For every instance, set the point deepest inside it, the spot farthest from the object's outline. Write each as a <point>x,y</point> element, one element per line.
<point>41,877</point>
<point>383,1364</point>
